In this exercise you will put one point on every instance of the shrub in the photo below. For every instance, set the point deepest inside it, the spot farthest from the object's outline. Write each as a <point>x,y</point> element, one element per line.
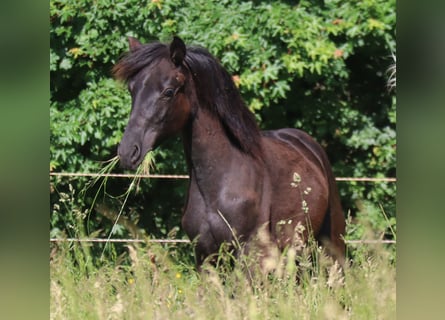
<point>319,66</point>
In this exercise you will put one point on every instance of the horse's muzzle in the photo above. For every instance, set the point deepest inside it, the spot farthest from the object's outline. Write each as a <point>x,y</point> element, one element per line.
<point>129,156</point>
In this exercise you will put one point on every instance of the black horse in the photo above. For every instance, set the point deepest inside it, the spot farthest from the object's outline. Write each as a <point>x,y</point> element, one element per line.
<point>243,181</point>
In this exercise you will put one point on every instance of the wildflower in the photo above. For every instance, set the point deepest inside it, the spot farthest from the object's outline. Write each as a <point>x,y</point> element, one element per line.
<point>296,180</point>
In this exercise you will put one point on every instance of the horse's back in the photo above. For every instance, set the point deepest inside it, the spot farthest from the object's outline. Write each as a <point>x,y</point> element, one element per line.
<point>300,141</point>
<point>303,184</point>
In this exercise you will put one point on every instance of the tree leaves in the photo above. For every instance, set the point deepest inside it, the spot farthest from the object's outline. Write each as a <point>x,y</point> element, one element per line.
<point>319,67</point>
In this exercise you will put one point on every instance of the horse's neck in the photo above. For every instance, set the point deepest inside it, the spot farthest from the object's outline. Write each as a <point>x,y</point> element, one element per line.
<point>207,147</point>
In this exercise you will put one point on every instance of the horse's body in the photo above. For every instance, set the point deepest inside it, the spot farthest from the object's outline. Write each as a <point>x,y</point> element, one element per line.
<point>242,180</point>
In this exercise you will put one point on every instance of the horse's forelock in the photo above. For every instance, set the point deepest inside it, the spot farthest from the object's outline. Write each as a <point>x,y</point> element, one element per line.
<point>133,61</point>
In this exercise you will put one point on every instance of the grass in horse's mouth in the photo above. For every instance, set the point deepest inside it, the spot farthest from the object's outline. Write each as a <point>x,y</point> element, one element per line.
<point>144,168</point>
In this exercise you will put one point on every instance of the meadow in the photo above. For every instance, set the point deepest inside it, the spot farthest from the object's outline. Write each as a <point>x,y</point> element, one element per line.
<point>160,281</point>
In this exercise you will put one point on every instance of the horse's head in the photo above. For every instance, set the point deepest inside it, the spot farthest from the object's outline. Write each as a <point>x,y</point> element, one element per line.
<point>160,107</point>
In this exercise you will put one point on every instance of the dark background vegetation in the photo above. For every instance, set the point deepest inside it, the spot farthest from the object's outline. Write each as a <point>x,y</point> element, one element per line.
<point>321,66</point>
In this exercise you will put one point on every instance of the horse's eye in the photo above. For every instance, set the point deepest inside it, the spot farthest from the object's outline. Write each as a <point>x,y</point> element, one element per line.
<point>169,92</point>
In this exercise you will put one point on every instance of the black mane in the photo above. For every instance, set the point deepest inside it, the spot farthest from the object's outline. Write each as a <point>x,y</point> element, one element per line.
<point>215,89</point>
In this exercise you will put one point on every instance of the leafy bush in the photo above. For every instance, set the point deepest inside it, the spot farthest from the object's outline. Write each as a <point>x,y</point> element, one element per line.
<point>319,66</point>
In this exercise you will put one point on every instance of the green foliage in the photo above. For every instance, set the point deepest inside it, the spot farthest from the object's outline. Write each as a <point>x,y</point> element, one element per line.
<point>87,129</point>
<point>319,66</point>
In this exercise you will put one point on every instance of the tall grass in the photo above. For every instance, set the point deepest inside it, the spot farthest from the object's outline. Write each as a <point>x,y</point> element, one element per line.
<point>154,281</point>
<point>392,72</point>
<point>149,282</point>
<point>143,169</point>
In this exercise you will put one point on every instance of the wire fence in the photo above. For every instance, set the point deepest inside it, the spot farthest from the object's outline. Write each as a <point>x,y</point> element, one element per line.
<point>184,176</point>
<point>102,240</point>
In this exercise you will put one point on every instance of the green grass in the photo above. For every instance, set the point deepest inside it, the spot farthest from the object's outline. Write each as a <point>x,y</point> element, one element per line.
<point>153,281</point>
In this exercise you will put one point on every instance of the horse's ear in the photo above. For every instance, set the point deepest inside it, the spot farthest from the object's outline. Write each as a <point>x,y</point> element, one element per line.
<point>133,43</point>
<point>177,50</point>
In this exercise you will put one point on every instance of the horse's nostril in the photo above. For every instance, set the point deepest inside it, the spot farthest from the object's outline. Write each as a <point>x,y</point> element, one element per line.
<point>135,154</point>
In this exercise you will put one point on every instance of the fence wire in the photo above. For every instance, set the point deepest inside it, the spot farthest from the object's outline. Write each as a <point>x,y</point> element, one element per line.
<point>102,240</point>
<point>184,176</point>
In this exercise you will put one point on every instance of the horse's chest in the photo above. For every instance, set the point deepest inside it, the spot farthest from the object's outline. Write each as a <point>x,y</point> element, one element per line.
<point>220,215</point>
